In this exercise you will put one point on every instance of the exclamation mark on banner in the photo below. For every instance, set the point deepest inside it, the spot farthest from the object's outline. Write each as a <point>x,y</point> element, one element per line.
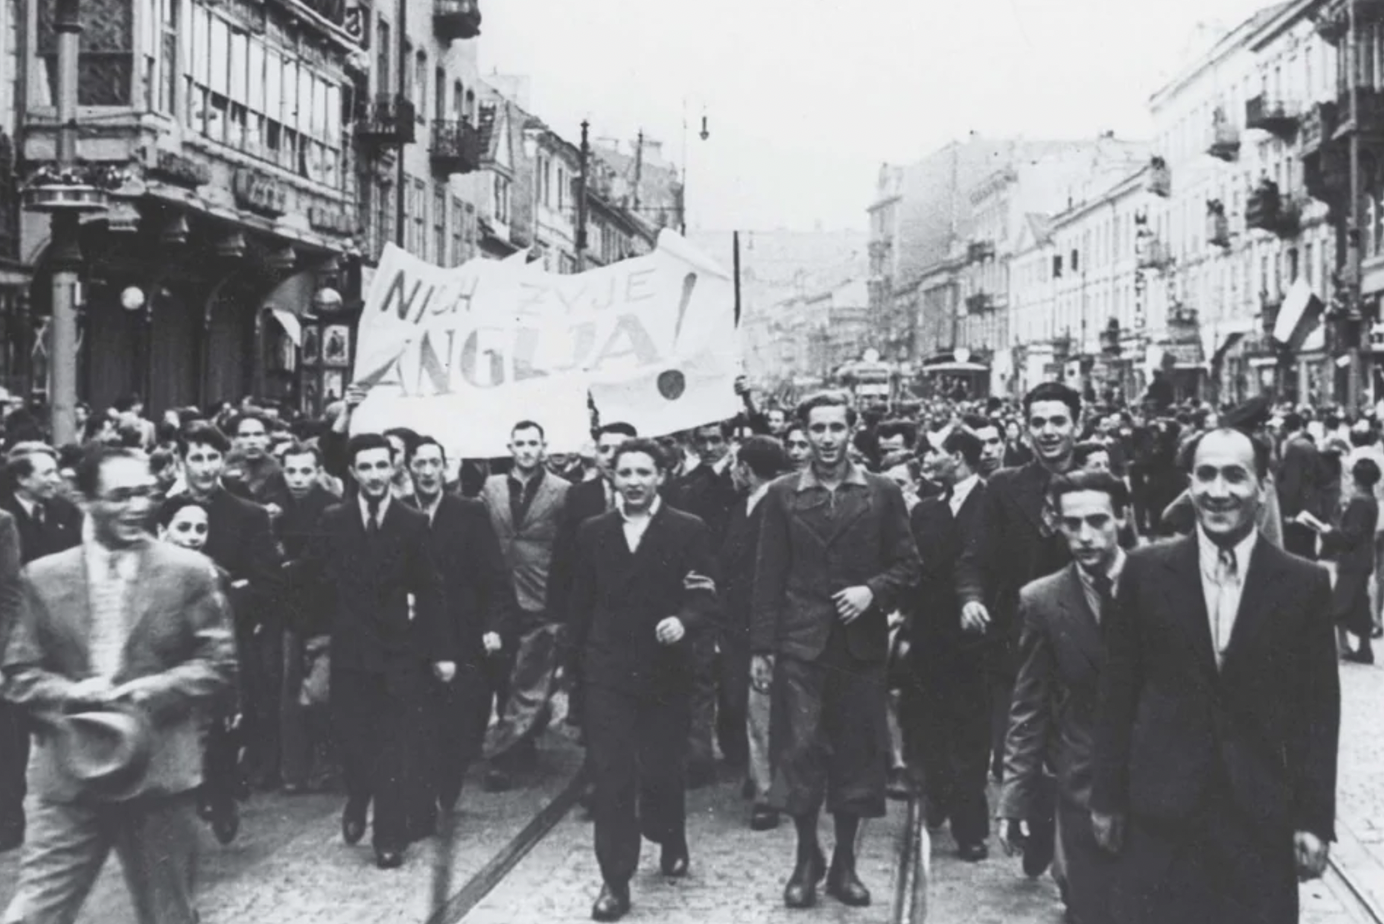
<point>672,383</point>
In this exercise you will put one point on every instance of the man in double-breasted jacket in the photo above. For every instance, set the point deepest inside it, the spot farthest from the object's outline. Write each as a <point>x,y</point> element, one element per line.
<point>835,556</point>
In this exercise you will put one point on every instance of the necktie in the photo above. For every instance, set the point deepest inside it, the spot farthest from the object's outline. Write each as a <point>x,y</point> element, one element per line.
<point>38,514</point>
<point>1223,620</point>
<point>1105,591</point>
<point>372,516</point>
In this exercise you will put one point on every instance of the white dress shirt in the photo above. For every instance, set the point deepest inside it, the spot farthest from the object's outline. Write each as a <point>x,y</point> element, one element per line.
<point>1088,583</point>
<point>962,490</point>
<point>379,515</point>
<point>636,526</point>
<point>110,575</point>
<point>1223,591</point>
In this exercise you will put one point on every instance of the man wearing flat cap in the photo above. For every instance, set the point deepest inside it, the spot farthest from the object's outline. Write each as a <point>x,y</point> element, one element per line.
<point>128,640</point>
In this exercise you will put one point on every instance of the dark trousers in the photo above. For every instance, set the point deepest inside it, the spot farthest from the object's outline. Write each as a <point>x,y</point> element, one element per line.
<point>635,750</point>
<point>454,729</point>
<point>949,737</point>
<point>14,764</point>
<point>700,751</point>
<point>1090,870</point>
<point>1220,868</point>
<point>376,716</point>
<point>260,647</point>
<point>829,735</point>
<point>733,700</point>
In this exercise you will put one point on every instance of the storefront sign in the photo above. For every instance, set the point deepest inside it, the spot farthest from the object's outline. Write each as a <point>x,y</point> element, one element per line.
<point>258,193</point>
<point>332,220</point>
<point>179,170</point>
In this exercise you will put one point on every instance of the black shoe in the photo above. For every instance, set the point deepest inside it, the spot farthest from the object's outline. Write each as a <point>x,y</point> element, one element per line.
<point>1358,657</point>
<point>763,818</point>
<point>1039,848</point>
<point>612,904</point>
<point>673,861</point>
<point>497,780</point>
<point>225,823</point>
<point>801,891</point>
<point>845,886</point>
<point>388,859</point>
<point>353,823</point>
<point>973,853</point>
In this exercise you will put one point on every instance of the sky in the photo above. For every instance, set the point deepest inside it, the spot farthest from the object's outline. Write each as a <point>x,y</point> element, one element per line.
<point>805,99</point>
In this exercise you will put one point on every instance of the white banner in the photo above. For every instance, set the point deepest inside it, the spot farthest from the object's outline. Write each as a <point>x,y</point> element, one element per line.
<point>463,354</point>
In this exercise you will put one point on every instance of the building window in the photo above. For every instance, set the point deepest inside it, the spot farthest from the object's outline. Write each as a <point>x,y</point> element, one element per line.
<point>384,214</point>
<point>501,198</point>
<point>420,82</point>
<point>1057,266</point>
<point>458,231</point>
<point>459,101</point>
<point>105,62</point>
<point>382,46</point>
<point>440,95</point>
<point>439,218</point>
<point>420,219</point>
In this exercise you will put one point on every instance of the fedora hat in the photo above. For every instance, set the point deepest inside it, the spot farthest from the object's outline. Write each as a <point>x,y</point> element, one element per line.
<point>105,751</point>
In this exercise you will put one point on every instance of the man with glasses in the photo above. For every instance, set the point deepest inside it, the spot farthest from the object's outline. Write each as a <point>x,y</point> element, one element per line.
<point>158,652</point>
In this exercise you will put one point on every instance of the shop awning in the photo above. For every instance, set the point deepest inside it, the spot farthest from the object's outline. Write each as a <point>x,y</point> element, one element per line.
<point>954,367</point>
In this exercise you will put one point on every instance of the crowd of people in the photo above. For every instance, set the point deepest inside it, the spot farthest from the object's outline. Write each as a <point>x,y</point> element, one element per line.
<point>1108,612</point>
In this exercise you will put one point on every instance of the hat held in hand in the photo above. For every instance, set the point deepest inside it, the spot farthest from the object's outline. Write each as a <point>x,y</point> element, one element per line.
<point>105,750</point>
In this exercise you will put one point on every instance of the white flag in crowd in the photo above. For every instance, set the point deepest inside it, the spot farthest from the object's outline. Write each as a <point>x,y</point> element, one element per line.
<point>463,353</point>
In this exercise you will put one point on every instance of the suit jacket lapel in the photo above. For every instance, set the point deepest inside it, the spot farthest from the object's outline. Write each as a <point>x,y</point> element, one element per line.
<point>1032,486</point>
<point>138,596</point>
<point>72,605</point>
<point>1188,599</point>
<point>1256,597</point>
<point>1080,624</point>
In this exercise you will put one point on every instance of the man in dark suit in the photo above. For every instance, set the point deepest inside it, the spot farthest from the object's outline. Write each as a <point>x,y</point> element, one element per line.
<point>240,540</point>
<point>478,593</point>
<point>1301,486</point>
<point>46,523</point>
<point>1053,715</point>
<point>632,618</point>
<point>708,492</point>
<point>380,596</point>
<point>743,717</point>
<point>948,711</point>
<point>836,555</point>
<point>302,735</point>
<point>1219,715</point>
<point>1021,545</point>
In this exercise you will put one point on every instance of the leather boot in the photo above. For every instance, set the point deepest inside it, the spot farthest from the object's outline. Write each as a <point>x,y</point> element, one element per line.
<point>801,891</point>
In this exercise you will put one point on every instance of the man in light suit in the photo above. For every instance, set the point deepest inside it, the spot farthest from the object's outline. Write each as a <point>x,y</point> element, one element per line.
<point>836,555</point>
<point>1219,713</point>
<point>118,619</point>
<point>524,506</point>
<point>1053,714</point>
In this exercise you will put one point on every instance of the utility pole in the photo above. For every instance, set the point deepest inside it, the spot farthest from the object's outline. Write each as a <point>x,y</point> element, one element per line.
<point>735,256</point>
<point>1355,324</point>
<point>401,177</point>
<point>66,251</point>
<point>581,196</point>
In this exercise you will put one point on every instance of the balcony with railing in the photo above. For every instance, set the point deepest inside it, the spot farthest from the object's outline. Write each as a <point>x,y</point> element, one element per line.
<point>456,147</point>
<point>456,19</point>
<point>1153,253</point>
<point>1275,116</point>
<point>1180,315</point>
<point>1160,181</point>
<point>980,302</point>
<point>1269,210</point>
<point>387,121</point>
<point>1224,143</point>
<point>979,251</point>
<point>1333,18</point>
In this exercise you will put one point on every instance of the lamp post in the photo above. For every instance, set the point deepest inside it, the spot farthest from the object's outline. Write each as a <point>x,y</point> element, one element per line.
<point>581,197</point>
<point>66,259</point>
<point>1354,239</point>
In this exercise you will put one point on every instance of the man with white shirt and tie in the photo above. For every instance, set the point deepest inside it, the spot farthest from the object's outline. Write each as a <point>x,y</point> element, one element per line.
<point>1219,713</point>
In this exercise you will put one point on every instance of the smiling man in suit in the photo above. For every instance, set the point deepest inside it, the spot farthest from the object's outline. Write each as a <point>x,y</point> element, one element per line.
<point>632,617</point>
<point>1053,714</point>
<point>1219,714</point>
<point>371,572</point>
<point>525,506</point>
<point>835,556</point>
<point>118,622</point>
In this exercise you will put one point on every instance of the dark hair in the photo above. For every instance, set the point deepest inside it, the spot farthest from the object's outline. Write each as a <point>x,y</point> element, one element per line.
<point>521,425</point>
<point>764,456</point>
<point>965,442</point>
<point>408,437</point>
<point>1053,391</point>
<point>240,418</point>
<point>303,449</point>
<point>20,461</point>
<point>617,426</point>
<point>202,433</point>
<point>827,399</point>
<point>646,446</point>
<point>126,402</point>
<point>161,458</point>
<point>131,435</point>
<point>432,441</point>
<point>94,458</point>
<point>1080,480</point>
<point>789,432</point>
<point>169,508</point>
<point>1083,452</point>
<point>362,442</point>
<point>892,428</point>
<point>976,422</point>
<point>1292,421</point>
<point>726,428</point>
<point>70,455</point>
<point>1261,450</point>
<point>1366,473</point>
